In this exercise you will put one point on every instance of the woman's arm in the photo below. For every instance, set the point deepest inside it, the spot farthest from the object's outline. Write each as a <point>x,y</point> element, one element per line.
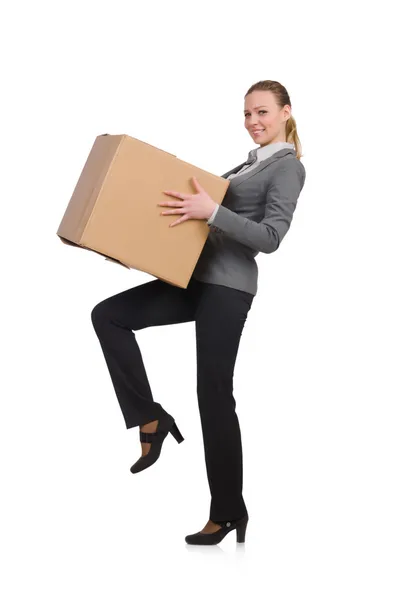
<point>281,200</point>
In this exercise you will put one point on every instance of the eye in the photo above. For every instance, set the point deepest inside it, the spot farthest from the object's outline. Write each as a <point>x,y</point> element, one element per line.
<point>261,111</point>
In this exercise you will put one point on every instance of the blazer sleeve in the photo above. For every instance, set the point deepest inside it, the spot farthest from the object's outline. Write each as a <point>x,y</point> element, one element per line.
<point>280,203</point>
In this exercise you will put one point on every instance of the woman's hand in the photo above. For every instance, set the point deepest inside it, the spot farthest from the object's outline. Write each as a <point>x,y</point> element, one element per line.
<point>192,206</point>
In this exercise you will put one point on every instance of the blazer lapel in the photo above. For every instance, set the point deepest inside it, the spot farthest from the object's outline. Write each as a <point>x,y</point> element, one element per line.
<point>233,170</point>
<point>262,165</point>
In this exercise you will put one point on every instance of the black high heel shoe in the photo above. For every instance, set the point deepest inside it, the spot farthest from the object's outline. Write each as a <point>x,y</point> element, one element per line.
<point>203,539</point>
<point>166,424</point>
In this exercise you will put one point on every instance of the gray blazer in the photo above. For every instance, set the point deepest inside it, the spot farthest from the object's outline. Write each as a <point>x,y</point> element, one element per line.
<point>254,217</point>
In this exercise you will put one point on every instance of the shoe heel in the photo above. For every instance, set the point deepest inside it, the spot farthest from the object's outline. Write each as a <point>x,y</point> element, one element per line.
<point>240,530</point>
<point>176,433</point>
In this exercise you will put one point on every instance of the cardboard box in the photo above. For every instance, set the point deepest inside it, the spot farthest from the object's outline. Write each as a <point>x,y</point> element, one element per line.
<point>113,210</point>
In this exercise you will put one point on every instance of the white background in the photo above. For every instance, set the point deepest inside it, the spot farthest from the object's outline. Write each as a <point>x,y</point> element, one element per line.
<point>315,375</point>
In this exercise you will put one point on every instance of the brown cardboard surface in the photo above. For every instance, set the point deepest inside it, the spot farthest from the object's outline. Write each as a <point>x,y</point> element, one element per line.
<point>113,210</point>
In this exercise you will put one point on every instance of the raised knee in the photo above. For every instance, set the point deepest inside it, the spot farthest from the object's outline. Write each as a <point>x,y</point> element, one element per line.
<point>98,314</point>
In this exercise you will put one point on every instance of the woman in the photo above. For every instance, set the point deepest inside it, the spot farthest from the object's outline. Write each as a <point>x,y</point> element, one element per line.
<point>254,217</point>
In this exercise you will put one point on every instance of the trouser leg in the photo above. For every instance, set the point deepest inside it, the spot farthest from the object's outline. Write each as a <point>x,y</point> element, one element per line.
<point>115,321</point>
<point>220,320</point>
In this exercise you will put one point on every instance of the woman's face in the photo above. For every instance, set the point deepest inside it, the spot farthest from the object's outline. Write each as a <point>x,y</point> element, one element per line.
<point>262,113</point>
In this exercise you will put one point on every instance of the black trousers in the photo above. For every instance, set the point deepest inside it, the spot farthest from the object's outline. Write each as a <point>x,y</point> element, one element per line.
<point>219,313</point>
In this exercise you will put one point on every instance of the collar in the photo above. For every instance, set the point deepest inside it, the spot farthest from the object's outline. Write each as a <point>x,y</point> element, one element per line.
<point>263,152</point>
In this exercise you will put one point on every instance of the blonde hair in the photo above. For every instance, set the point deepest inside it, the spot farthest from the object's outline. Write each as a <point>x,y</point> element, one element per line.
<point>282,98</point>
